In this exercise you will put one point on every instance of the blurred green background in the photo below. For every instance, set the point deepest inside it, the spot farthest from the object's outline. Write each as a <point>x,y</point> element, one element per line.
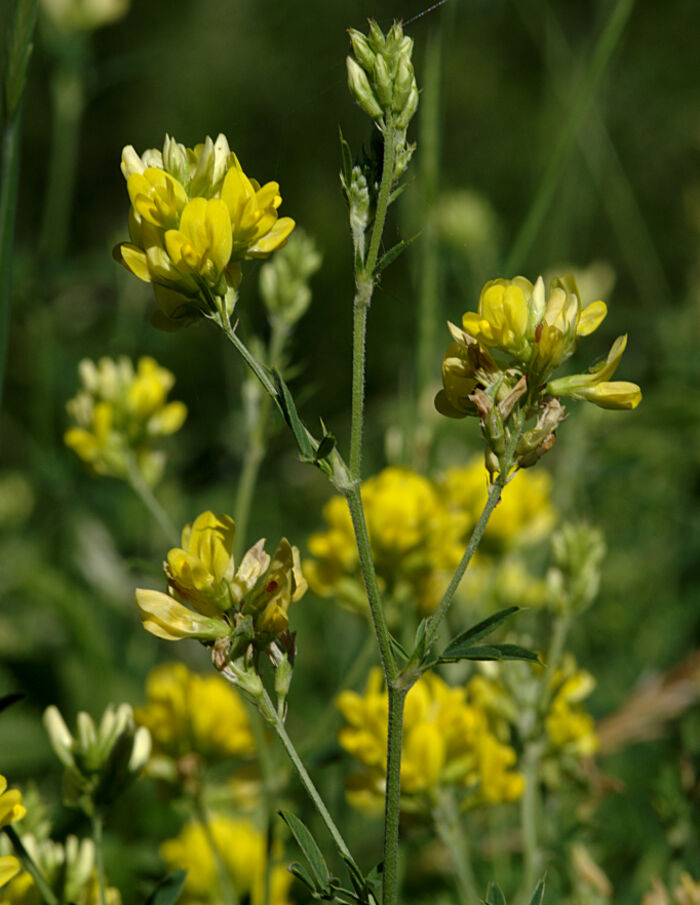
<point>271,76</point>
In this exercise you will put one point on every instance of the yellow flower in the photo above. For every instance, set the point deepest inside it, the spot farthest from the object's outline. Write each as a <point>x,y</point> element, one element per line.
<point>11,807</point>
<point>202,574</point>
<point>120,413</point>
<point>596,386</point>
<point>568,726</point>
<point>447,742</point>
<point>187,713</point>
<point>9,868</point>
<point>257,231</point>
<point>241,847</point>
<point>503,317</point>
<point>194,216</point>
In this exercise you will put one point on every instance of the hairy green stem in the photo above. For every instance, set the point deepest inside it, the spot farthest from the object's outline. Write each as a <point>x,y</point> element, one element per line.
<point>450,830</point>
<point>228,891</point>
<point>602,54</point>
<point>269,711</point>
<point>392,803</point>
<point>143,491</point>
<point>365,281</point>
<point>255,451</point>
<point>31,867</point>
<point>266,770</point>
<point>97,835</point>
<point>369,575</point>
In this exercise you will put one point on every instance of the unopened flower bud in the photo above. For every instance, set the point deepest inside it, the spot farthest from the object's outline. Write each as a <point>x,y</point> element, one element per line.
<point>382,81</point>
<point>360,47</point>
<point>359,86</point>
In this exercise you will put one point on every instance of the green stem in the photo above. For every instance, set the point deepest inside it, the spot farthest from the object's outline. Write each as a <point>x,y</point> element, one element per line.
<point>602,54</point>
<point>392,803</point>
<point>143,491</point>
<point>369,576</point>
<point>365,281</point>
<point>68,104</point>
<point>450,830</point>
<point>530,802</point>
<point>494,495</point>
<point>31,867</point>
<point>529,818</point>
<point>255,451</point>
<point>228,891</point>
<point>266,770</point>
<point>252,363</point>
<point>269,711</point>
<point>9,177</point>
<point>97,835</point>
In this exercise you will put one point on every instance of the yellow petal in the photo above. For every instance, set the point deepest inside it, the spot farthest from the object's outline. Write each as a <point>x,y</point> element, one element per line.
<point>166,618</point>
<point>9,868</point>
<point>591,318</point>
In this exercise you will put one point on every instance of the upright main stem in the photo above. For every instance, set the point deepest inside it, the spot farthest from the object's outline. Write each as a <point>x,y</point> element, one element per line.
<point>365,280</point>
<point>392,803</point>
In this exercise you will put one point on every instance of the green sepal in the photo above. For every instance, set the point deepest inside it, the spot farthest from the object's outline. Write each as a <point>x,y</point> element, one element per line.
<point>494,895</point>
<point>346,156</point>
<point>393,253</point>
<point>168,890</point>
<point>309,847</point>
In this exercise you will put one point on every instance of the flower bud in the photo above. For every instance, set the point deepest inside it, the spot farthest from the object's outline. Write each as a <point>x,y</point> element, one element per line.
<point>382,81</point>
<point>359,86</point>
<point>360,47</point>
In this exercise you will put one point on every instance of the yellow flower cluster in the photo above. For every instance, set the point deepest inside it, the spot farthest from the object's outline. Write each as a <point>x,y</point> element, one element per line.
<point>191,714</point>
<point>194,216</point>
<point>208,598</point>
<point>419,529</point>
<point>241,847</point>
<point>531,334</point>
<point>119,413</point>
<point>570,728</point>
<point>69,869</point>
<point>11,809</point>
<point>448,741</point>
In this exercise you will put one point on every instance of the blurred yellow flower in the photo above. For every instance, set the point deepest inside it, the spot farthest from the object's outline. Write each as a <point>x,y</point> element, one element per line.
<point>448,741</point>
<point>68,868</point>
<point>241,847</point>
<point>120,413</point>
<point>569,727</point>
<point>11,807</point>
<point>187,713</point>
<point>419,530</point>
<point>202,574</point>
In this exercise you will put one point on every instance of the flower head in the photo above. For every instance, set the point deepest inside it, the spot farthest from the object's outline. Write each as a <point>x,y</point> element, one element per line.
<point>120,412</point>
<point>210,599</point>
<point>194,217</point>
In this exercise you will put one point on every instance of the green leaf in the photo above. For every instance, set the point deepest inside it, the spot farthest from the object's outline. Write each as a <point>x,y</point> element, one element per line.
<point>169,888</point>
<point>9,699</point>
<point>291,416</point>
<point>300,872</point>
<point>346,155</point>
<point>495,896</point>
<point>490,652</point>
<point>538,894</point>
<point>419,643</point>
<point>308,845</point>
<point>393,253</point>
<point>481,629</point>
